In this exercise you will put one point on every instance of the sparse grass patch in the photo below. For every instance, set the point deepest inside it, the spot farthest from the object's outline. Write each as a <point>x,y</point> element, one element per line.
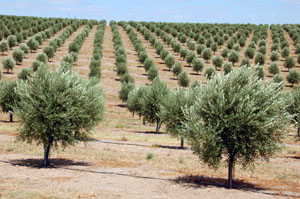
<point>149,156</point>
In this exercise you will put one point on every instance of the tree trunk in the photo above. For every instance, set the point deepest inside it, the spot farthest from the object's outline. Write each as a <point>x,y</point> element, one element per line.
<point>230,169</point>
<point>11,117</point>
<point>298,131</point>
<point>144,121</point>
<point>46,154</point>
<point>157,127</point>
<point>181,142</point>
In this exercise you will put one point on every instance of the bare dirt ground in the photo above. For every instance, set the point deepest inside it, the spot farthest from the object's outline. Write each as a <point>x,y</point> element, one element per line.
<point>126,159</point>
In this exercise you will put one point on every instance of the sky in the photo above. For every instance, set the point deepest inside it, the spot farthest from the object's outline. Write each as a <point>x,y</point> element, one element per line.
<point>193,11</point>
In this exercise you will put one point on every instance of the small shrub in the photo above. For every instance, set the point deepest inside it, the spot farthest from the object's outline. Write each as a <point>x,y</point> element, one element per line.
<point>149,156</point>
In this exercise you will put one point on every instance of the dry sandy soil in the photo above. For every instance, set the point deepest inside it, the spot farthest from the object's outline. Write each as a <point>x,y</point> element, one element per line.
<point>126,159</point>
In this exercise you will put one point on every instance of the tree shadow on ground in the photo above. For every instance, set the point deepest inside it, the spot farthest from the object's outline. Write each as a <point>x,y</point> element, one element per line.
<point>54,163</point>
<point>149,132</point>
<point>296,157</point>
<point>172,147</point>
<point>122,105</point>
<point>196,182</point>
<point>196,74</point>
<point>7,121</point>
<point>119,143</point>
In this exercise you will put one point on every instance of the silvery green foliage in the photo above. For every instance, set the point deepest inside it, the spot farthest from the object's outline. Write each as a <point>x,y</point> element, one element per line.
<point>273,68</point>
<point>294,107</point>
<point>18,55</point>
<point>233,57</point>
<point>135,100</point>
<point>152,101</point>
<point>125,90</point>
<point>183,79</point>
<point>42,57</point>
<point>293,77</point>
<point>8,63</point>
<point>237,118</point>
<point>172,114</point>
<point>4,46</point>
<point>227,67</point>
<point>58,108</point>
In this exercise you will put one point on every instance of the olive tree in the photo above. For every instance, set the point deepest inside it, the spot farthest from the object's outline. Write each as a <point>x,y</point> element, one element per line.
<point>217,62</point>
<point>58,108</point>
<point>8,98</point>
<point>18,55</point>
<point>4,46</point>
<point>273,68</point>
<point>227,67</point>
<point>170,61</point>
<point>249,52</point>
<point>125,89</point>
<point>198,65</point>
<point>32,44</point>
<point>285,52</point>
<point>152,73</point>
<point>25,74</point>
<point>12,41</point>
<point>152,101</point>
<point>134,102</point>
<point>42,57</point>
<point>294,106</point>
<point>233,57</point>
<point>172,114</point>
<point>177,68</point>
<point>49,51</point>
<point>190,57</point>
<point>8,63</point>
<point>289,62</point>
<point>246,120</point>
<point>183,79</point>
<point>183,52</point>
<point>224,52</point>
<point>209,72</point>
<point>260,59</point>
<point>206,54</point>
<point>274,56</point>
<point>293,77</point>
